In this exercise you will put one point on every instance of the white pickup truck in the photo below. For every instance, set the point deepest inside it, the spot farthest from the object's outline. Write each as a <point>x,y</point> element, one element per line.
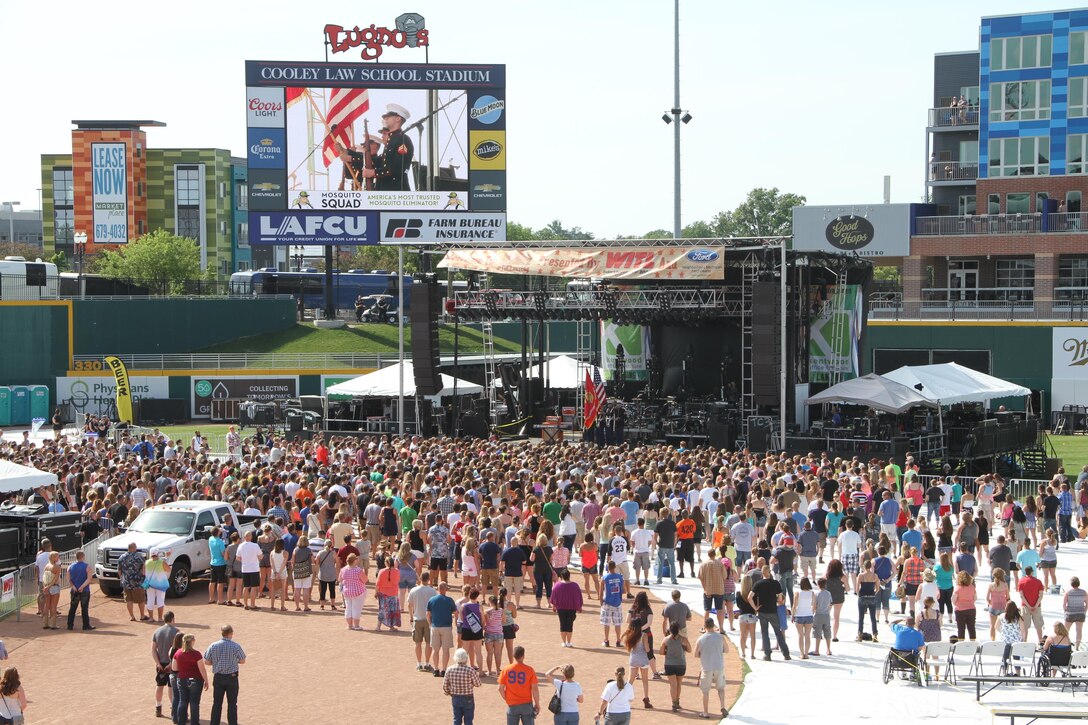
<point>181,530</point>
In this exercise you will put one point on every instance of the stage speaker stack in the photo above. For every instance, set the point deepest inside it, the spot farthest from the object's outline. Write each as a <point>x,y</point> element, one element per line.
<point>759,435</point>
<point>424,311</point>
<point>766,343</point>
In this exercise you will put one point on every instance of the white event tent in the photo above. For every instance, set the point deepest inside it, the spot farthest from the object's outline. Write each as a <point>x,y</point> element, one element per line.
<point>561,372</point>
<point>385,383</point>
<point>16,477</point>
<point>950,383</point>
<point>873,391</point>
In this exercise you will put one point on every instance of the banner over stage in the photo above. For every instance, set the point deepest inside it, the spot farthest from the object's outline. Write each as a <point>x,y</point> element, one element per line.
<point>666,263</point>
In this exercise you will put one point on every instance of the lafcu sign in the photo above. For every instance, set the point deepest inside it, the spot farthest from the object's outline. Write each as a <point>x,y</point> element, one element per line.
<point>410,32</point>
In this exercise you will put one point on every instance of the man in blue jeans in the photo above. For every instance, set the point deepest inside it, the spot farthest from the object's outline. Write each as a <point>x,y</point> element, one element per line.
<point>765,598</point>
<point>665,539</point>
<point>459,683</point>
<point>79,580</point>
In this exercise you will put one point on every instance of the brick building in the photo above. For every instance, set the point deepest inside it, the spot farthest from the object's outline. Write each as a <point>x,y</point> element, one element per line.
<point>195,193</point>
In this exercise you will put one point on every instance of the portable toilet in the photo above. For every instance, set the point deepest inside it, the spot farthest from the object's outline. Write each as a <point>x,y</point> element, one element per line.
<point>39,403</point>
<point>20,405</point>
<point>5,405</point>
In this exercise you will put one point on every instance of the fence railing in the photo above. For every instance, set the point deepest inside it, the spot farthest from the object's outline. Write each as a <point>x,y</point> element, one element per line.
<point>952,170</point>
<point>26,578</point>
<point>230,361</point>
<point>981,224</point>
<point>1068,221</point>
<point>949,116</point>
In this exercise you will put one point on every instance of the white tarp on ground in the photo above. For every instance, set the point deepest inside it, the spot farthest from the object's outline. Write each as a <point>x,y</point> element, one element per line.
<point>15,477</point>
<point>561,372</point>
<point>874,391</point>
<point>385,383</point>
<point>848,687</point>
<point>950,383</point>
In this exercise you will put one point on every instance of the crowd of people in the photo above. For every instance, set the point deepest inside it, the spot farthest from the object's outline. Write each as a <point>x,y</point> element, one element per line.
<point>455,538</point>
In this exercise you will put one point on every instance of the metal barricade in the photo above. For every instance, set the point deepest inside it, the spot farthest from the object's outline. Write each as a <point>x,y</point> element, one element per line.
<point>24,580</point>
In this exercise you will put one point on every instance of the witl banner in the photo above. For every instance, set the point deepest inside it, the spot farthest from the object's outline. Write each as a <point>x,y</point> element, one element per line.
<point>98,395</point>
<point>617,263</point>
<point>109,182</point>
<point>835,334</point>
<point>381,200</point>
<point>1070,353</point>
<point>635,340</point>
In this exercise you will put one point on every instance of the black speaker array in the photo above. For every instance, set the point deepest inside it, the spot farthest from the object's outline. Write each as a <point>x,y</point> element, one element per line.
<point>424,311</point>
<point>766,342</point>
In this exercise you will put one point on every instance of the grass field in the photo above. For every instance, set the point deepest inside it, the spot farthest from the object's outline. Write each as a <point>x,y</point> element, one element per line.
<point>1073,450</point>
<point>367,338</point>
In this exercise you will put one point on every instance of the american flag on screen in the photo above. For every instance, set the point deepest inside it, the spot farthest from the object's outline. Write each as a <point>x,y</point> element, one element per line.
<point>595,397</point>
<point>346,105</point>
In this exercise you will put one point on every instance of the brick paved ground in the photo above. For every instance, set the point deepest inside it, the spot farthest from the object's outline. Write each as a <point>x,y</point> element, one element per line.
<point>302,663</point>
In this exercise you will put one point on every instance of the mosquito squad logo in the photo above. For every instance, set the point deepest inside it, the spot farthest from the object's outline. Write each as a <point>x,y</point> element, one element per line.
<point>487,150</point>
<point>265,108</point>
<point>261,389</point>
<point>267,148</point>
<point>403,229</point>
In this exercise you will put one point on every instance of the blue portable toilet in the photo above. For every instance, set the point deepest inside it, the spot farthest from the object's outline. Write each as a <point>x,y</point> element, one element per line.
<point>20,405</point>
<point>39,403</point>
<point>5,405</point>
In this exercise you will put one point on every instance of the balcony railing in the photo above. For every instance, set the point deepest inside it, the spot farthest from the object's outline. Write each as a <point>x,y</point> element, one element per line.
<point>950,117</point>
<point>1068,222</point>
<point>978,296</point>
<point>983,224</point>
<point>952,171</point>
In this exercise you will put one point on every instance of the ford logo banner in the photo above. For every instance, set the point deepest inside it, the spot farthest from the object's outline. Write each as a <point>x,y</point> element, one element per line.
<point>702,255</point>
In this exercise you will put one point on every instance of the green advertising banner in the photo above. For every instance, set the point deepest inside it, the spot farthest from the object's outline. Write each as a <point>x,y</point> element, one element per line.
<point>834,334</point>
<point>635,341</point>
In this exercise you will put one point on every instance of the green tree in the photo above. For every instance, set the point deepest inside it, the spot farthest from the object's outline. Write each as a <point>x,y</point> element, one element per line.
<point>61,260</point>
<point>764,213</point>
<point>29,252</point>
<point>519,232</point>
<point>160,260</point>
<point>556,230</point>
<point>376,257</point>
<point>698,230</point>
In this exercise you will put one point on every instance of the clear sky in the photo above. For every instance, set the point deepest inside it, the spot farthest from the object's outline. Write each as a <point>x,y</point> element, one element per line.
<point>817,98</point>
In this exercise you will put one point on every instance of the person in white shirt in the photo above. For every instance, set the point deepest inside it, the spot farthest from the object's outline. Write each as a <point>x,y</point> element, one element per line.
<point>249,554</point>
<point>849,554</point>
<point>616,700</point>
<point>169,452</point>
<point>642,539</point>
<point>619,546</point>
<point>197,442</point>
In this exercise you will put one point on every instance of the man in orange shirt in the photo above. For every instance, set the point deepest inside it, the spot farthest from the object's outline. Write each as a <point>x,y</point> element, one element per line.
<point>519,687</point>
<point>685,534</point>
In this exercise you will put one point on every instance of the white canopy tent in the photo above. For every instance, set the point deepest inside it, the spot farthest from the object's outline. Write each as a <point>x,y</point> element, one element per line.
<point>16,477</point>
<point>950,383</point>
<point>561,372</point>
<point>385,383</point>
<point>873,391</point>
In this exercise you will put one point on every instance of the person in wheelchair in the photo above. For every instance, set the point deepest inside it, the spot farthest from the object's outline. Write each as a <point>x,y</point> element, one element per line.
<point>908,644</point>
<point>1057,650</point>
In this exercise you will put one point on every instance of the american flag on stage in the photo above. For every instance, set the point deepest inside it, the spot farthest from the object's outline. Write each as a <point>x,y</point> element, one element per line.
<point>595,397</point>
<point>346,105</point>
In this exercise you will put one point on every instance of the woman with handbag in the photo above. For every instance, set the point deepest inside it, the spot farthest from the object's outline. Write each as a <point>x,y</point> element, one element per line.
<point>388,587</point>
<point>616,700</point>
<point>568,694</point>
<point>156,582</point>
<point>302,572</point>
<point>541,559</point>
<point>52,574</point>
<point>12,697</point>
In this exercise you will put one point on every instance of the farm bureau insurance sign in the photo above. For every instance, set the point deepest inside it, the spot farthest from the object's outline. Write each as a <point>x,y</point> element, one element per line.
<point>622,263</point>
<point>109,182</point>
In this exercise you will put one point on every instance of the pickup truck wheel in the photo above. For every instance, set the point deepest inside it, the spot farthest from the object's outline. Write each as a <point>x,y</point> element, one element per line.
<point>180,580</point>
<point>109,588</point>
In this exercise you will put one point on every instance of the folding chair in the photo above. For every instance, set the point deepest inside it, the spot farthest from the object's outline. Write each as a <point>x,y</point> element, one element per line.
<point>1077,661</point>
<point>993,652</point>
<point>939,654</point>
<point>964,654</point>
<point>1021,656</point>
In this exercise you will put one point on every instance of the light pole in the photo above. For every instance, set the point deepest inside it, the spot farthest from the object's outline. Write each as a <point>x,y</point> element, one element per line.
<point>676,115</point>
<point>80,239</point>
<point>11,222</point>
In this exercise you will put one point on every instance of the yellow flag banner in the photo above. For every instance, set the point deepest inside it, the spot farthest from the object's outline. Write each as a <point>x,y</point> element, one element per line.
<point>124,390</point>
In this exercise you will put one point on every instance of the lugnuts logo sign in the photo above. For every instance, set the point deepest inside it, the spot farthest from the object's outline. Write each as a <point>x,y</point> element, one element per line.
<point>487,149</point>
<point>410,32</point>
<point>849,233</point>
